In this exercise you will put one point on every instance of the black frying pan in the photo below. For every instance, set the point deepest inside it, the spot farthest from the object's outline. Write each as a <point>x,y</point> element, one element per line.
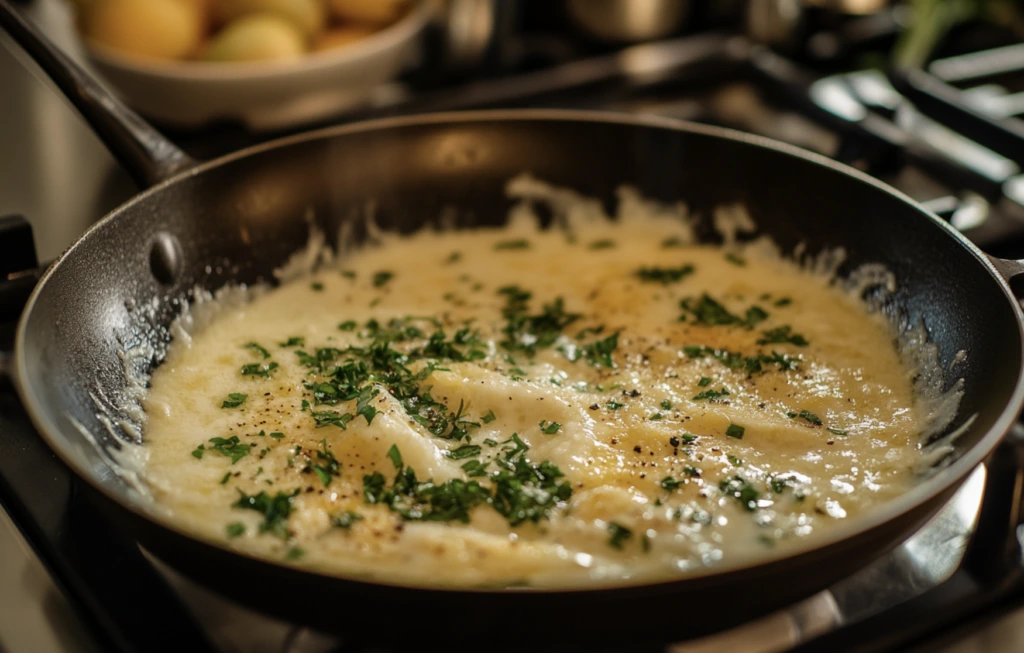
<point>237,218</point>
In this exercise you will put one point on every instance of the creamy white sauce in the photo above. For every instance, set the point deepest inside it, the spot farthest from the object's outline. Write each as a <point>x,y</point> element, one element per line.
<point>791,478</point>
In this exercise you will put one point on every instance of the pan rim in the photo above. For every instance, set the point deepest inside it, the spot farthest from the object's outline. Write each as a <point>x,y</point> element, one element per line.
<point>942,481</point>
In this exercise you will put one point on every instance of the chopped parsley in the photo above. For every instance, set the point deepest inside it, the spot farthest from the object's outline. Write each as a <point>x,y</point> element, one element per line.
<point>602,244</point>
<point>294,553</point>
<point>670,484</point>
<point>234,400</point>
<point>326,465</point>
<point>488,418</point>
<point>332,418</point>
<point>783,335</point>
<point>712,395</point>
<point>689,438</point>
<point>227,477</point>
<point>465,451</point>
<point>382,277</point>
<point>277,435</point>
<point>275,510</point>
<point>259,369</point>
<point>619,535</point>
<point>837,431</point>
<point>475,468</point>
<point>511,244</point>
<point>709,312</point>
<point>704,381</point>
<point>672,241</point>
<point>527,332</point>
<point>316,286</point>
<point>666,404</point>
<point>741,490</point>
<point>294,341</point>
<point>808,416</point>
<point>259,349</point>
<point>454,257</point>
<point>614,405</point>
<point>691,471</point>
<point>395,456</point>
<point>348,274</point>
<point>783,301</point>
<point>734,461</point>
<point>664,276</point>
<point>735,259</point>
<point>656,417</point>
<point>735,431</point>
<point>231,448</point>
<point>348,325</point>
<point>345,520</point>
<point>734,361</point>
<point>549,428</point>
<point>235,529</point>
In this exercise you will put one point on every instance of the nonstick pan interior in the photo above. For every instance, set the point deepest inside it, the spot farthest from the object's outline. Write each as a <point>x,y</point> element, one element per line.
<point>237,219</point>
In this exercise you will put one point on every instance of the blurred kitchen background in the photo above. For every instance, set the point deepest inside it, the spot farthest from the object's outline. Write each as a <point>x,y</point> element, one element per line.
<point>218,75</point>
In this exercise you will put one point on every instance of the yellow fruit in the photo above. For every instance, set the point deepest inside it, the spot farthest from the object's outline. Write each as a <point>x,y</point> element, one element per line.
<point>307,15</point>
<point>160,29</point>
<point>341,36</point>
<point>379,12</point>
<point>257,37</point>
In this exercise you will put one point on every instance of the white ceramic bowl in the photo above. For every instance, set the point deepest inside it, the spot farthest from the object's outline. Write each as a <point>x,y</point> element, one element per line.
<point>263,95</point>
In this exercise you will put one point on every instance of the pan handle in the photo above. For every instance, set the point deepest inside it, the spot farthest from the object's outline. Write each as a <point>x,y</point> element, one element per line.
<point>1012,271</point>
<point>149,157</point>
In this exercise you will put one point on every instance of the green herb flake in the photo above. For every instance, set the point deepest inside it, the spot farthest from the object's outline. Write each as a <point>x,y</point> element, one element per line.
<point>656,417</point>
<point>275,510</point>
<point>348,325</point>
<point>259,369</point>
<point>619,535</point>
<point>316,286</point>
<point>672,241</point>
<point>395,456</point>
<point>382,277</point>
<point>614,405</point>
<point>840,432</point>
<point>783,301</point>
<point>294,553</point>
<point>226,478</point>
<point>488,418</point>
<point>454,257</point>
<point>735,259</point>
<point>807,416</point>
<point>670,484</point>
<point>692,472</point>
<point>511,244</point>
<point>326,465</point>
<point>235,529</point>
<point>602,244</point>
<point>230,447</point>
<point>783,335</point>
<point>258,349</point>
<point>735,431</point>
<point>664,276</point>
<point>463,452</point>
<point>735,461</point>
<point>277,435</point>
<point>345,520</point>
<point>712,395</point>
<point>741,490</point>
<point>689,438</point>
<point>549,428</point>
<point>234,400</point>
<point>475,468</point>
<point>704,381</point>
<point>199,451</point>
<point>294,341</point>
<point>666,404</point>
<point>348,274</point>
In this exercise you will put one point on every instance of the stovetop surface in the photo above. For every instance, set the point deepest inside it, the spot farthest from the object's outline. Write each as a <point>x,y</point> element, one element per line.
<point>950,577</point>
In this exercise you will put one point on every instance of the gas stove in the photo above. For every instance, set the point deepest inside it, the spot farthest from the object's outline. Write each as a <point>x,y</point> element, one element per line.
<point>960,573</point>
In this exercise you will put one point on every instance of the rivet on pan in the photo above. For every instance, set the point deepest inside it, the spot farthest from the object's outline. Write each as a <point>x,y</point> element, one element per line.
<point>165,259</point>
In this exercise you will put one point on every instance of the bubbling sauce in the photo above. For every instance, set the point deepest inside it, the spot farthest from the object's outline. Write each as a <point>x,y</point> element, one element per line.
<point>518,406</point>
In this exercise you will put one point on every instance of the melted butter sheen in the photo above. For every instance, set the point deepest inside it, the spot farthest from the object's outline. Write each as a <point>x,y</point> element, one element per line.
<point>623,429</point>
